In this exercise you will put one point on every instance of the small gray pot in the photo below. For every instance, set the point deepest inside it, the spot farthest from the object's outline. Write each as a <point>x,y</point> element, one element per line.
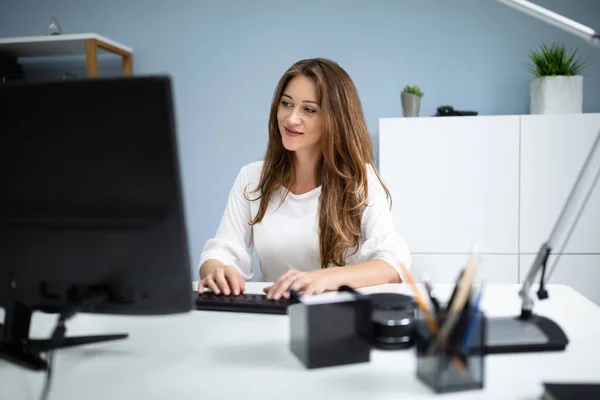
<point>411,104</point>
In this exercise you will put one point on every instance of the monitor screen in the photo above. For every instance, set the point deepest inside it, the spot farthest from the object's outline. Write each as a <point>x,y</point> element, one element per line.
<point>91,196</point>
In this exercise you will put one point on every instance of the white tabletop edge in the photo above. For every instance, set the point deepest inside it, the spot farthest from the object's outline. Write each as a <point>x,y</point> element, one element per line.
<point>64,37</point>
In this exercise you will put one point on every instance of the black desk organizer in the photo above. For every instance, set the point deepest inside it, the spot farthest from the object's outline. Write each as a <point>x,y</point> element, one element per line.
<point>452,367</point>
<point>331,334</point>
<point>340,333</point>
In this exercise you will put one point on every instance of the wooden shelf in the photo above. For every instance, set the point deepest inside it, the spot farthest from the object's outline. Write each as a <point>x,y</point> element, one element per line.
<point>69,44</point>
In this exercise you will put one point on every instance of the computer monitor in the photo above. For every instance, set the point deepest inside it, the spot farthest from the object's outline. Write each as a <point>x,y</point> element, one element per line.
<point>90,203</point>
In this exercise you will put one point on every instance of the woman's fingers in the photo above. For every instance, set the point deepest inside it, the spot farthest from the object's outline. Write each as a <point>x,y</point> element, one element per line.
<point>242,284</point>
<point>310,289</point>
<point>301,282</point>
<point>210,283</point>
<point>232,278</point>
<point>299,285</point>
<point>284,286</point>
<point>270,290</point>
<point>221,282</point>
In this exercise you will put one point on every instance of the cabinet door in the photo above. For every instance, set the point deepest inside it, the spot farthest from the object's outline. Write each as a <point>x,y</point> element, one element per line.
<point>553,150</point>
<point>444,268</point>
<point>581,272</point>
<point>454,181</point>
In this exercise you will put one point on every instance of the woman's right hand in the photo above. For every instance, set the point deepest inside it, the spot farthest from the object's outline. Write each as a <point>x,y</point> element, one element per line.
<point>222,279</point>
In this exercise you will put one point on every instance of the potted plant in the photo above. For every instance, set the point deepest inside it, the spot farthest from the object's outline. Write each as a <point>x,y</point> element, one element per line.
<point>557,87</point>
<point>411,100</point>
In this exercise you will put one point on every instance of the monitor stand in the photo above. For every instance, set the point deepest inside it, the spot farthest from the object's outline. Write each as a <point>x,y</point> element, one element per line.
<point>16,347</point>
<point>518,335</point>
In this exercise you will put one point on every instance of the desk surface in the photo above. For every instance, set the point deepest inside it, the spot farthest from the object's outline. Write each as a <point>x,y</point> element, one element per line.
<point>205,355</point>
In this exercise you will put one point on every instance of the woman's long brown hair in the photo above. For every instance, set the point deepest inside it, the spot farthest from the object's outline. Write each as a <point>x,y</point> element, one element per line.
<point>341,171</point>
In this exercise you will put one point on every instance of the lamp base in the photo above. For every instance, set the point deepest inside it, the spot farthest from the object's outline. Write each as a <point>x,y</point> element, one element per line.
<point>515,335</point>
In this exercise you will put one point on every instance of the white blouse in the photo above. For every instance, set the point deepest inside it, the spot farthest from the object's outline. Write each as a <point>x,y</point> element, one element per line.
<point>287,237</point>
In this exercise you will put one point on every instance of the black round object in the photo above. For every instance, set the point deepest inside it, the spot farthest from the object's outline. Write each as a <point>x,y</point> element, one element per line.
<point>393,320</point>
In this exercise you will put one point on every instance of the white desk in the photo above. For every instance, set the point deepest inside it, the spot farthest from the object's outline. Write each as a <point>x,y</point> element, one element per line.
<point>214,355</point>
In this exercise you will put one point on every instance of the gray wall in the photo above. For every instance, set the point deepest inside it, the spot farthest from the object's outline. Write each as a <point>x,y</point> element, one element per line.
<point>225,57</point>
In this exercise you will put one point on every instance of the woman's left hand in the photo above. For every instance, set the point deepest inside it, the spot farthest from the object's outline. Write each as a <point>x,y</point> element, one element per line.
<point>308,282</point>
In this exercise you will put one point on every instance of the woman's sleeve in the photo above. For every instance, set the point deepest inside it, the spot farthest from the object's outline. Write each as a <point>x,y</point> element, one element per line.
<point>380,239</point>
<point>232,244</point>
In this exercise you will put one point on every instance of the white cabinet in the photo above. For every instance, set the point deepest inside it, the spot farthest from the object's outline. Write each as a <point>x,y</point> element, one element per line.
<point>495,181</point>
<point>444,268</point>
<point>553,150</point>
<point>454,181</point>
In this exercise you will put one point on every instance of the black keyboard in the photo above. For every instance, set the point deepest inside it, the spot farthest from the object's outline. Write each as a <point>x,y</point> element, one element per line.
<point>249,303</point>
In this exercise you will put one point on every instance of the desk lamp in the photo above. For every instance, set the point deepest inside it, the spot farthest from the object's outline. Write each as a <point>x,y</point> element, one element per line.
<point>529,332</point>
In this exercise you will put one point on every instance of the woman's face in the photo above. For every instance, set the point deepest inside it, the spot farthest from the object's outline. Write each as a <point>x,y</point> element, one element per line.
<point>299,116</point>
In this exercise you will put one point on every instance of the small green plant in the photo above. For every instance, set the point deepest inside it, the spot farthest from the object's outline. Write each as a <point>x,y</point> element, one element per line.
<point>413,89</point>
<point>555,60</point>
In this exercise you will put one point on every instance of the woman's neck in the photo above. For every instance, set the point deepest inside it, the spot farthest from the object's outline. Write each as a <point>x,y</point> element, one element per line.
<point>304,165</point>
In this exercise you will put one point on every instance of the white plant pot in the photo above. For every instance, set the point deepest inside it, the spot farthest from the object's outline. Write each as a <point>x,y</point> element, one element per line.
<point>556,95</point>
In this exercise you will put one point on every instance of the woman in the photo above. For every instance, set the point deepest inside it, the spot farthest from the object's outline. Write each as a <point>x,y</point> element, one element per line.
<point>315,209</point>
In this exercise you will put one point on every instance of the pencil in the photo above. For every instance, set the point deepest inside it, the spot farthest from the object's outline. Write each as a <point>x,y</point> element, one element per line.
<point>420,302</point>
<point>433,327</point>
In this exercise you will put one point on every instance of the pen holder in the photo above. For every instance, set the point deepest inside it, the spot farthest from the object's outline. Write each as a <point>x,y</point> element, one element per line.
<point>457,363</point>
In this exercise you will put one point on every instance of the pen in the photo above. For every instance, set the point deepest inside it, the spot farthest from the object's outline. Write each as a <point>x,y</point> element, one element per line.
<point>460,276</point>
<point>471,324</point>
<point>434,300</point>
